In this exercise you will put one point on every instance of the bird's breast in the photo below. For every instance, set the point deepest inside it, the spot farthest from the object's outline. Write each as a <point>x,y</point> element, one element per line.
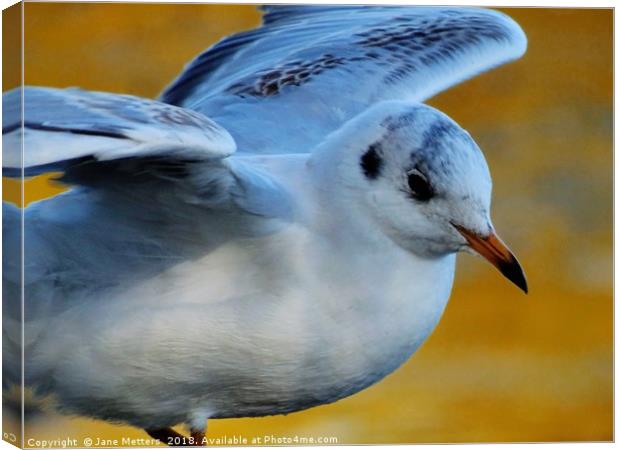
<point>253,330</point>
<point>313,328</point>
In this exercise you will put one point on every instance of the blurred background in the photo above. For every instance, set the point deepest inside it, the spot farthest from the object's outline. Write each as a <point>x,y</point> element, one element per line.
<point>501,366</point>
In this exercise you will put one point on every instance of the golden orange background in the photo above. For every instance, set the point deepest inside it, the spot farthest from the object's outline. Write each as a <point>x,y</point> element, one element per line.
<point>501,366</point>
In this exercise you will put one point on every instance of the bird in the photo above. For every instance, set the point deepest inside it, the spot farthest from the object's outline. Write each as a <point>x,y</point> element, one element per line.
<point>277,231</point>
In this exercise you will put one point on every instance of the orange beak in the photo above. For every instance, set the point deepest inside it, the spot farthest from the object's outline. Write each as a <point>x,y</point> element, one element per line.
<point>497,253</point>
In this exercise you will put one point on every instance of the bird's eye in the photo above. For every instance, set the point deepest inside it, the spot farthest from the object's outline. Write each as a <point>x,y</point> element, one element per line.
<point>418,184</point>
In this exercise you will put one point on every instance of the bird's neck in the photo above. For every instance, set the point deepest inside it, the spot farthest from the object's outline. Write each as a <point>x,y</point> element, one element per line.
<point>370,283</point>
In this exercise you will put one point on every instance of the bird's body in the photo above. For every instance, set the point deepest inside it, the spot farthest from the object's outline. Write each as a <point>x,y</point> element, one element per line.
<point>182,280</point>
<point>303,316</point>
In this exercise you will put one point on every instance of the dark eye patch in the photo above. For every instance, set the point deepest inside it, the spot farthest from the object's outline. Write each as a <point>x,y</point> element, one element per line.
<point>419,187</point>
<point>371,162</point>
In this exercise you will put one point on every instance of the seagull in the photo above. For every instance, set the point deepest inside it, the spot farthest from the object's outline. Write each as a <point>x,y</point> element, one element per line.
<point>276,232</point>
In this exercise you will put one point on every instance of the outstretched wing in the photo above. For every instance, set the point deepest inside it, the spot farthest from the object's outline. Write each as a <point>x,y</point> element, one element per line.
<point>132,147</point>
<point>153,188</point>
<point>62,126</point>
<point>280,88</point>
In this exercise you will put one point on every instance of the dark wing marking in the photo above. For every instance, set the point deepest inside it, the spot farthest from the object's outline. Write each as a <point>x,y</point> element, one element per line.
<point>280,88</point>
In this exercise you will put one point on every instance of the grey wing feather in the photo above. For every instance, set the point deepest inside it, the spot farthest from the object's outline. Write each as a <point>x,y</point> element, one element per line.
<point>61,126</point>
<point>131,146</point>
<point>280,88</point>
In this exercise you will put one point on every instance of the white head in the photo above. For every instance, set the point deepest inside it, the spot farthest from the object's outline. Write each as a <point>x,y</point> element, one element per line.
<point>421,178</point>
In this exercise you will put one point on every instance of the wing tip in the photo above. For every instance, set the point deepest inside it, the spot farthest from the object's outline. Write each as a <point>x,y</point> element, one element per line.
<point>515,34</point>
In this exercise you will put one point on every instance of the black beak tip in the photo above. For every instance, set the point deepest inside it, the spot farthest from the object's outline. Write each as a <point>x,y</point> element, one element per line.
<point>514,272</point>
<point>523,285</point>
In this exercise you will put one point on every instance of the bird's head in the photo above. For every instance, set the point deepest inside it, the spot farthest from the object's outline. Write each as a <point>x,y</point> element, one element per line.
<point>425,182</point>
